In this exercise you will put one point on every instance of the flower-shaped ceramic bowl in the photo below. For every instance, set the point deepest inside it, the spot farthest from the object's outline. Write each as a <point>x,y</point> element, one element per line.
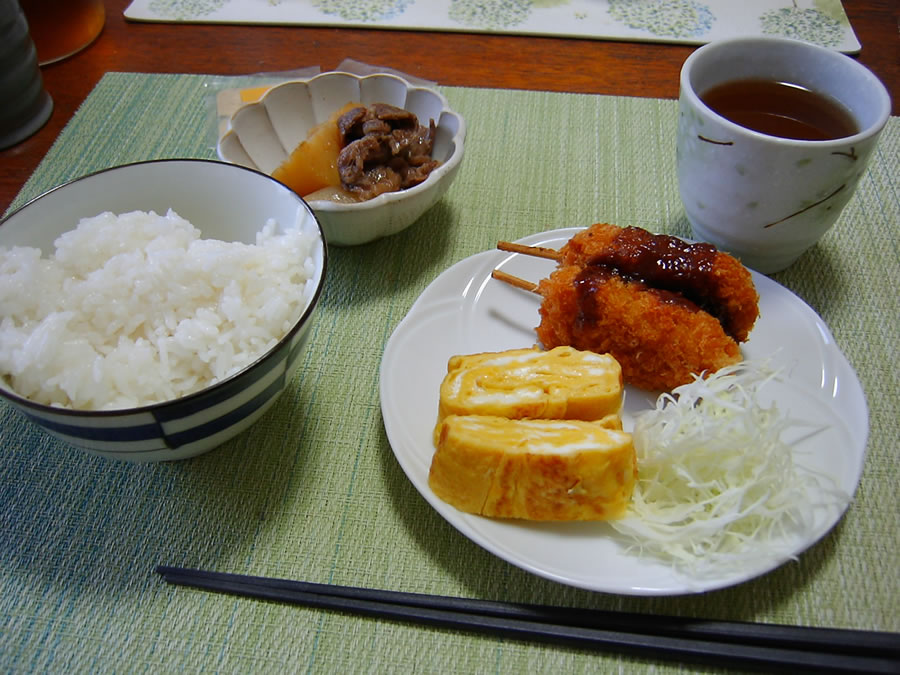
<point>226,202</point>
<point>262,135</point>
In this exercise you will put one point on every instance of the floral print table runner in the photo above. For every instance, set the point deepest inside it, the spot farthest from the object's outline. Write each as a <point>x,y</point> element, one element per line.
<point>685,21</point>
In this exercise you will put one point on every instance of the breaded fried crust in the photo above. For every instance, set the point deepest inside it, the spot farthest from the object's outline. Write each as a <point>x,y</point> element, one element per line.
<point>659,339</point>
<point>711,279</point>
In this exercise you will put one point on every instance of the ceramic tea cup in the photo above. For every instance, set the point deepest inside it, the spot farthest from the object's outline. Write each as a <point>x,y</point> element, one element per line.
<point>767,198</point>
<point>26,105</point>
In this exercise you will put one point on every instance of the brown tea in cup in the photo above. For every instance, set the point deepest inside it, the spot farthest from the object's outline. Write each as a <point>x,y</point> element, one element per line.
<point>768,197</point>
<point>781,109</point>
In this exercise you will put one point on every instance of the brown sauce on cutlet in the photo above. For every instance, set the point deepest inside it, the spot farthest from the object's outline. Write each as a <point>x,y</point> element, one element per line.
<point>592,276</point>
<point>678,272</point>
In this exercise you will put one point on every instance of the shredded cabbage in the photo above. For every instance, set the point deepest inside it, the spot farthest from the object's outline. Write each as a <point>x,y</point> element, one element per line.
<point>717,487</point>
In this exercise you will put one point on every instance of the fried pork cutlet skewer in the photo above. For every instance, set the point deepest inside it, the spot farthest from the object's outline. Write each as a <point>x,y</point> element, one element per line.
<point>713,280</point>
<point>665,309</point>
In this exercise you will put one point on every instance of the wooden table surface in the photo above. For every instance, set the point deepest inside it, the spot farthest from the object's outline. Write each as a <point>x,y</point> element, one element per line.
<point>473,60</point>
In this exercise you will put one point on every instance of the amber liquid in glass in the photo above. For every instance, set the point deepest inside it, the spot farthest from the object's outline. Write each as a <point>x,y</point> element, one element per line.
<point>61,28</point>
<point>781,109</point>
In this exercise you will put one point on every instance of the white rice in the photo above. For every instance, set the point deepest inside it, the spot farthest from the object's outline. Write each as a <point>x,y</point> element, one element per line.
<point>136,308</point>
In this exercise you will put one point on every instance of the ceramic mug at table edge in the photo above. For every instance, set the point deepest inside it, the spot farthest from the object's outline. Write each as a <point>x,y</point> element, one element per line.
<point>26,103</point>
<point>763,198</point>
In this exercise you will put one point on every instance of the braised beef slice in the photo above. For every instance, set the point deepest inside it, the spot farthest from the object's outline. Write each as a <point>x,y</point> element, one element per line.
<point>385,150</point>
<point>350,124</point>
<point>360,156</point>
<point>375,127</point>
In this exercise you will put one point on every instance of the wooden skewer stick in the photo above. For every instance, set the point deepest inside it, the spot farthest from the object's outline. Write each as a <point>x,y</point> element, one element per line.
<point>524,284</point>
<point>535,251</point>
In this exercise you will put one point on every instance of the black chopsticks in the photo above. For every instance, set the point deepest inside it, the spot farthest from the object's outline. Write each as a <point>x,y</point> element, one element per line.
<point>767,647</point>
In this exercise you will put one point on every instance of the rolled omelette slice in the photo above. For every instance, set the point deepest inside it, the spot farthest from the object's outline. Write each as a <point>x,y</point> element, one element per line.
<point>563,383</point>
<point>533,469</point>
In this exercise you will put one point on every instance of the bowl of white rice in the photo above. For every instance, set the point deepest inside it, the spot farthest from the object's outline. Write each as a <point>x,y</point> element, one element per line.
<point>154,310</point>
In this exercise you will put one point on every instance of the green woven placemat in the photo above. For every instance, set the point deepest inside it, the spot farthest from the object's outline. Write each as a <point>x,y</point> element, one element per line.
<point>313,492</point>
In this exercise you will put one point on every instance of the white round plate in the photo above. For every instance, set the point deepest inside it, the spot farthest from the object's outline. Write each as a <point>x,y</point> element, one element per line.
<point>465,311</point>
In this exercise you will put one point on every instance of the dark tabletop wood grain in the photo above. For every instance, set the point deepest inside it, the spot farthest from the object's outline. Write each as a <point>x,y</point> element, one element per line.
<point>459,59</point>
